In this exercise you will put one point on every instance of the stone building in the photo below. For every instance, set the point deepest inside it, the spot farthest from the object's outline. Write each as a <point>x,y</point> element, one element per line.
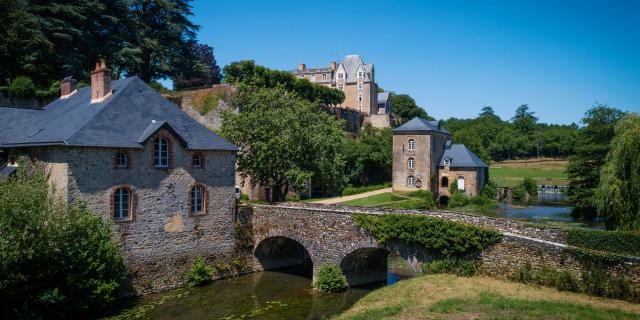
<point>357,80</point>
<point>425,159</point>
<point>165,181</point>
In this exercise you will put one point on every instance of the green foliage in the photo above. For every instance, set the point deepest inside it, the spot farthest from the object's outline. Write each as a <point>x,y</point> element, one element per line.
<point>531,186</point>
<point>284,140</point>
<point>157,86</point>
<point>357,190</point>
<point>458,199</point>
<point>592,146</point>
<point>206,101</point>
<point>460,267</point>
<point>22,87</point>
<point>617,194</point>
<point>599,283</point>
<point>200,273</point>
<point>56,260</point>
<point>252,75</point>
<point>368,156</point>
<point>490,190</point>
<point>406,108</point>
<point>519,193</point>
<point>444,238</point>
<point>292,197</point>
<point>330,279</point>
<point>620,242</point>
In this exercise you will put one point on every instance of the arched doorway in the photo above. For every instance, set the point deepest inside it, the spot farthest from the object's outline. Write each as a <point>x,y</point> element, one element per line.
<point>285,254</point>
<point>366,265</point>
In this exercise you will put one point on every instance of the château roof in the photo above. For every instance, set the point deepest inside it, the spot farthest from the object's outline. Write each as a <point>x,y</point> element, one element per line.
<point>460,156</point>
<point>419,124</point>
<point>118,121</point>
<point>351,63</point>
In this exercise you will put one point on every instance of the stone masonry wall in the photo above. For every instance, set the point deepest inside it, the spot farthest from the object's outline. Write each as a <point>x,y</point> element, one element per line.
<point>163,238</point>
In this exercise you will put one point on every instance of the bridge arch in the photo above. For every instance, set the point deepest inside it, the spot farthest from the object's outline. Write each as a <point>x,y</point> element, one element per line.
<point>365,265</point>
<point>282,251</point>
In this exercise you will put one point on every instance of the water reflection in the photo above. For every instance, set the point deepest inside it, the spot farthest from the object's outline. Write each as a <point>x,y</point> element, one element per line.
<point>285,293</point>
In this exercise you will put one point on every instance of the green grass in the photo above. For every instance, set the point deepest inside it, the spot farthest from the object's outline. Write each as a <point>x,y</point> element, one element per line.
<point>452,297</point>
<point>545,172</point>
<point>375,200</point>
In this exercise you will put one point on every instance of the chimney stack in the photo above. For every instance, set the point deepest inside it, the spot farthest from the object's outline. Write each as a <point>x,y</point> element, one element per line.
<point>100,82</point>
<point>332,65</point>
<point>67,87</point>
<point>301,66</point>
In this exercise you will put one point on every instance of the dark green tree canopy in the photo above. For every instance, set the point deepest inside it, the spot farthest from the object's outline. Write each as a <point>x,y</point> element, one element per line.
<point>405,107</point>
<point>248,73</point>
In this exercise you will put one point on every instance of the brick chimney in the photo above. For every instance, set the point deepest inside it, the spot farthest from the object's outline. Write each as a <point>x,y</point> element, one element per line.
<point>332,65</point>
<point>301,66</point>
<point>100,82</point>
<point>67,87</point>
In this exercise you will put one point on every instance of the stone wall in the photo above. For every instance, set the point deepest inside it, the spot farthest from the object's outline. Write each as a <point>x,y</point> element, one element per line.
<point>161,241</point>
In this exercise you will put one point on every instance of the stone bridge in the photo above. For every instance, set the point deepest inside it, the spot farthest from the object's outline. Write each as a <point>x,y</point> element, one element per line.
<point>313,235</point>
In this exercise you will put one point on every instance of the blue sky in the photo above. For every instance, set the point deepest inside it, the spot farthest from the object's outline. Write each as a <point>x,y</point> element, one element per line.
<point>453,57</point>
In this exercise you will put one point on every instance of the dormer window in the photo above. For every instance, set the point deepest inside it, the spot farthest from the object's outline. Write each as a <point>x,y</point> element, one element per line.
<point>360,74</point>
<point>121,160</point>
<point>447,161</point>
<point>411,144</point>
<point>359,86</point>
<point>340,76</point>
<point>161,153</point>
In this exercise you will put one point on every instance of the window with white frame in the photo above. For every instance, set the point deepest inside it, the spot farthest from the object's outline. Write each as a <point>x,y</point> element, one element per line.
<point>359,97</point>
<point>360,74</point>
<point>196,161</point>
<point>313,77</point>
<point>411,144</point>
<point>359,86</point>
<point>411,181</point>
<point>341,87</point>
<point>162,153</point>
<point>122,204</point>
<point>340,76</point>
<point>447,161</point>
<point>122,160</point>
<point>324,76</point>
<point>197,199</point>
<point>411,163</point>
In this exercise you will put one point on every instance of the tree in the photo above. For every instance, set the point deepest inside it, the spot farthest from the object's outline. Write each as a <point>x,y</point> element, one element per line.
<point>368,157</point>
<point>616,197</point>
<point>285,140</point>
<point>248,73</point>
<point>56,260</point>
<point>201,69</point>
<point>406,108</point>
<point>591,149</point>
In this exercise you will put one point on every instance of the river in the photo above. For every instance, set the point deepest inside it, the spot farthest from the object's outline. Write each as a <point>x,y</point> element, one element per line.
<point>278,294</point>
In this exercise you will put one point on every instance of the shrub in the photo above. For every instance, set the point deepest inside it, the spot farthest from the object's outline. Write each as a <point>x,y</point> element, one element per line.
<point>330,279</point>
<point>56,260</point>
<point>417,204</point>
<point>483,201</point>
<point>524,274</point>
<point>200,273</point>
<point>621,242</point>
<point>22,87</point>
<point>442,237</point>
<point>490,189</point>
<point>460,267</point>
<point>292,197</point>
<point>244,197</point>
<point>458,199</point>
<point>519,193</point>
<point>531,186</point>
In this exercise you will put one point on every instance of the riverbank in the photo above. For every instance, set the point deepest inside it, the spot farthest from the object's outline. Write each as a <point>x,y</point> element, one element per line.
<point>452,297</point>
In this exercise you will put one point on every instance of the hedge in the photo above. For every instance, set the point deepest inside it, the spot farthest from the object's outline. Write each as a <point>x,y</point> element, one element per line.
<point>620,242</point>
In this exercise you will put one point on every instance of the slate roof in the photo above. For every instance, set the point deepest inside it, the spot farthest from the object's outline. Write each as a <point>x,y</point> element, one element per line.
<point>383,97</point>
<point>461,157</point>
<point>118,121</point>
<point>419,124</point>
<point>312,70</point>
<point>351,64</point>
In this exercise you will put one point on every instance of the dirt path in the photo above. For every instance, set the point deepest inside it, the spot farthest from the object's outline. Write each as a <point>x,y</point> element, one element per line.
<point>352,197</point>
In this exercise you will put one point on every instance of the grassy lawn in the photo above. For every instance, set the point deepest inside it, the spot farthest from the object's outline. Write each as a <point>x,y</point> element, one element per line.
<point>452,297</point>
<point>387,200</point>
<point>544,171</point>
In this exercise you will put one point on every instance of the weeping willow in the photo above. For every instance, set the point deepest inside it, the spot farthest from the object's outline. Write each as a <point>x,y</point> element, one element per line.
<point>618,194</point>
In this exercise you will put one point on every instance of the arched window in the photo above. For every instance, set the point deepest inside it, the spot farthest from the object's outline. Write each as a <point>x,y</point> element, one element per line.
<point>445,182</point>
<point>412,144</point>
<point>162,153</point>
<point>411,163</point>
<point>122,160</point>
<point>198,199</point>
<point>411,181</point>
<point>461,183</point>
<point>122,204</point>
